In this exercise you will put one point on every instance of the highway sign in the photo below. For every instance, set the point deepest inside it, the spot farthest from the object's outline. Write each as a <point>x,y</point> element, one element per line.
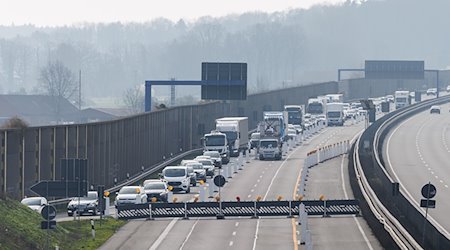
<point>427,203</point>
<point>48,224</point>
<point>219,180</point>
<point>428,191</point>
<point>60,188</point>
<point>48,212</point>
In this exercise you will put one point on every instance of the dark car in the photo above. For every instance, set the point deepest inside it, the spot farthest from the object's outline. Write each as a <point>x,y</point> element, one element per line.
<point>156,189</point>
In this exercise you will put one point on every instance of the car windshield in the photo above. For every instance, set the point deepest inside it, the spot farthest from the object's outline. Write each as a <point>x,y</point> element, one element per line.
<point>157,185</point>
<point>215,140</point>
<point>205,162</point>
<point>315,108</point>
<point>266,144</point>
<point>256,136</point>
<point>90,196</point>
<point>196,166</point>
<point>129,190</point>
<point>292,131</point>
<point>334,114</point>
<point>401,99</point>
<point>212,154</point>
<point>175,172</point>
<point>32,201</point>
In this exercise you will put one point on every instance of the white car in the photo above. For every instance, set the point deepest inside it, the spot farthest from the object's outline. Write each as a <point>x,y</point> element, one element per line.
<point>208,165</point>
<point>435,110</point>
<point>178,177</point>
<point>215,156</point>
<point>35,203</point>
<point>448,88</point>
<point>131,195</point>
<point>432,91</point>
<point>199,170</point>
<point>83,205</point>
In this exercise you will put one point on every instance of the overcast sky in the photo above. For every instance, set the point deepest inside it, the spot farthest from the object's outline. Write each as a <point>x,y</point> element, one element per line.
<point>67,12</point>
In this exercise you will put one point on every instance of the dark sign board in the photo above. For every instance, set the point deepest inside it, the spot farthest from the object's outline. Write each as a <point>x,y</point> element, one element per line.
<point>427,203</point>
<point>63,189</point>
<point>74,169</point>
<point>224,81</point>
<point>48,224</point>
<point>394,69</point>
<point>428,191</point>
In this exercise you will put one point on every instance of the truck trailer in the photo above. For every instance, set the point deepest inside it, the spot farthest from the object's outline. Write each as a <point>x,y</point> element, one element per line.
<point>236,129</point>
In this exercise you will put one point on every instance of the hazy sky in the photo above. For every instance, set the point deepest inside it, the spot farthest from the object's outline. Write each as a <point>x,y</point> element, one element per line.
<point>66,12</point>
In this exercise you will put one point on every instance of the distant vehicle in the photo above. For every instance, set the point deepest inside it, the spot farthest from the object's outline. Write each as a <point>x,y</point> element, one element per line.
<point>294,114</point>
<point>390,98</point>
<point>448,88</point>
<point>199,171</point>
<point>269,148</point>
<point>432,91</point>
<point>177,177</point>
<point>216,141</point>
<point>83,205</point>
<point>435,110</point>
<point>254,140</point>
<point>156,189</point>
<point>130,195</point>
<point>299,129</point>
<point>316,106</point>
<point>401,99</point>
<point>35,203</point>
<point>292,134</point>
<point>215,156</point>
<point>208,165</point>
<point>236,129</point>
<point>335,98</point>
<point>335,114</point>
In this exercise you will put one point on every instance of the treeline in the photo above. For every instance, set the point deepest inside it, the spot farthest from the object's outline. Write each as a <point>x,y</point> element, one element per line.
<point>283,48</point>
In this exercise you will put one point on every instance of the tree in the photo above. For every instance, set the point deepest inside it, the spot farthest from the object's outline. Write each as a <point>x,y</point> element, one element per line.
<point>133,99</point>
<point>58,82</point>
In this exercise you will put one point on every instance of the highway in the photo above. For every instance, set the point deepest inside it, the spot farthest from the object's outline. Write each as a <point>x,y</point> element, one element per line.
<point>268,179</point>
<point>416,152</point>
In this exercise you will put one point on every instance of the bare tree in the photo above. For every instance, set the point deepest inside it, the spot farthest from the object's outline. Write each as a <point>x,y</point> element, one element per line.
<point>59,82</point>
<point>133,99</point>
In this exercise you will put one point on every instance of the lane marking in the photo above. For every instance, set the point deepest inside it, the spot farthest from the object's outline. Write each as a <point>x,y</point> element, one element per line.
<point>236,224</point>
<point>231,243</point>
<point>249,196</point>
<point>252,190</point>
<point>189,234</point>
<point>256,235</point>
<point>234,233</point>
<point>163,235</point>
<point>361,230</point>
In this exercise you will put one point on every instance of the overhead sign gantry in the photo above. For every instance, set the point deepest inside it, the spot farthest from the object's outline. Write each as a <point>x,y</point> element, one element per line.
<point>219,81</point>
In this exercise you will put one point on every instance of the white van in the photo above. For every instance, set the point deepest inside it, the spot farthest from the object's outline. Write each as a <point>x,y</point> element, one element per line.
<point>178,177</point>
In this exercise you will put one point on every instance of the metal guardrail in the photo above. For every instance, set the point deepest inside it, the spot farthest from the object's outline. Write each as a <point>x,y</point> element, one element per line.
<point>237,208</point>
<point>140,176</point>
<point>398,232</point>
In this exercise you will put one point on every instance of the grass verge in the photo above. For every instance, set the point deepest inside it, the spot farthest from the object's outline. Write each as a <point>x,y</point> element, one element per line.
<point>20,229</point>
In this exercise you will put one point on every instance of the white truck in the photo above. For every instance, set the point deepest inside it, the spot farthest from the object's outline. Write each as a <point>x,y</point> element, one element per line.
<point>335,98</point>
<point>335,114</point>
<point>236,129</point>
<point>217,141</point>
<point>316,106</point>
<point>401,98</point>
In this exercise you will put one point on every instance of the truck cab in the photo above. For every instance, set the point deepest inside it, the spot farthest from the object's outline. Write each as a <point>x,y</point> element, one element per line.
<point>401,99</point>
<point>217,141</point>
<point>269,148</point>
<point>335,114</point>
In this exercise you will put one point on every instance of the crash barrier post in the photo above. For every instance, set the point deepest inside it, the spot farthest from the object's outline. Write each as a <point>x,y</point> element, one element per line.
<point>229,171</point>
<point>210,188</point>
<point>107,204</point>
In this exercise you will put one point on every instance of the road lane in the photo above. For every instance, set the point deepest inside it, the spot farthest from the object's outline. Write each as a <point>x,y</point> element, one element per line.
<point>417,152</point>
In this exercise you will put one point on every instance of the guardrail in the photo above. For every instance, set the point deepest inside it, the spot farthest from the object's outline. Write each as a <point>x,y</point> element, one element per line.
<point>397,214</point>
<point>139,176</point>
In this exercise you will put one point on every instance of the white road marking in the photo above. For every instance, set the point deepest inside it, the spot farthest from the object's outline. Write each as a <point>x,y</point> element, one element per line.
<point>231,243</point>
<point>252,190</point>
<point>189,234</point>
<point>258,180</point>
<point>256,185</point>
<point>346,197</point>
<point>234,233</point>
<point>236,224</point>
<point>256,234</point>
<point>249,196</point>
<point>163,235</point>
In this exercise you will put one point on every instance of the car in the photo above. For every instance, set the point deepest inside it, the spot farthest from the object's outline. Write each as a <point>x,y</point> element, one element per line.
<point>390,98</point>
<point>299,128</point>
<point>254,140</point>
<point>130,195</point>
<point>156,189</point>
<point>215,156</point>
<point>208,165</point>
<point>199,170</point>
<point>435,110</point>
<point>177,177</point>
<point>448,88</point>
<point>35,203</point>
<point>192,175</point>
<point>82,205</point>
<point>291,134</point>
<point>432,91</point>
